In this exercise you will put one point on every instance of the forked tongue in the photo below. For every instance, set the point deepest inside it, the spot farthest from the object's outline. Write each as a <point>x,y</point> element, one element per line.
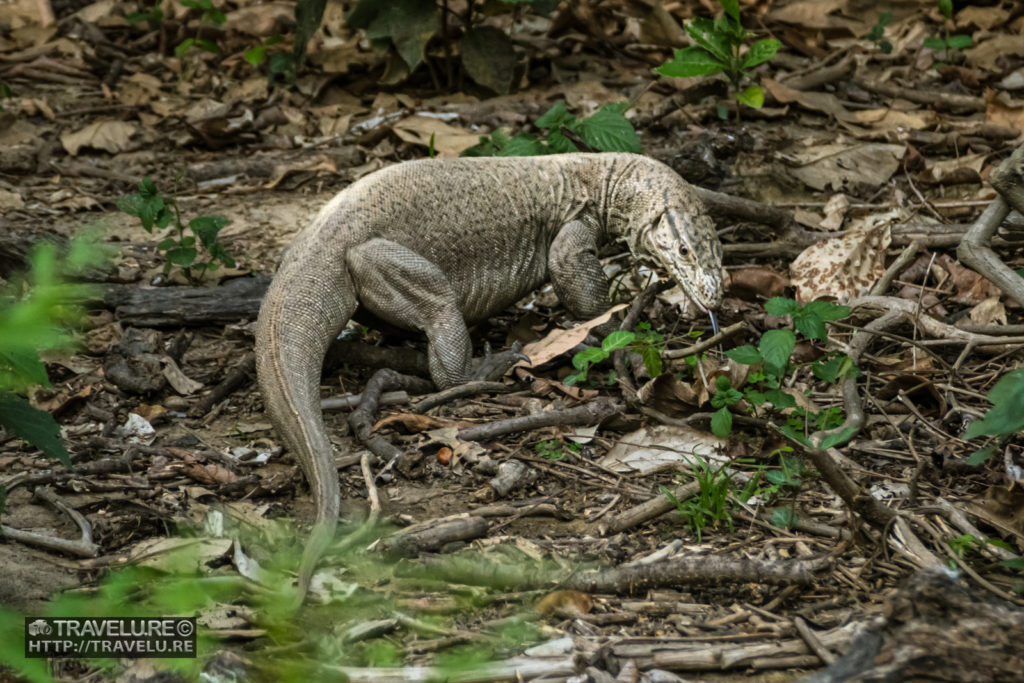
<point>714,322</point>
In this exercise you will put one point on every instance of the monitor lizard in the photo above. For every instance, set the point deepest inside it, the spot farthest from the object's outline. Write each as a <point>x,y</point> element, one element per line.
<point>436,244</point>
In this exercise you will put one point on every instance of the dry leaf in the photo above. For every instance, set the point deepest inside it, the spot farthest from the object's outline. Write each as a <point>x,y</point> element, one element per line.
<point>838,165</point>
<point>448,140</point>
<point>564,604</point>
<point>558,342</point>
<point>809,99</point>
<point>11,200</point>
<point>989,311</point>
<point>756,283</point>
<point>889,119</point>
<point>1003,110</point>
<point>844,267</point>
<point>658,446</point>
<point>835,212</point>
<point>982,17</point>
<point>110,136</point>
<point>985,54</point>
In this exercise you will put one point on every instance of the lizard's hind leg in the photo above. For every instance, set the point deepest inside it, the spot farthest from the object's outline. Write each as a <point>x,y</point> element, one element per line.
<point>407,290</point>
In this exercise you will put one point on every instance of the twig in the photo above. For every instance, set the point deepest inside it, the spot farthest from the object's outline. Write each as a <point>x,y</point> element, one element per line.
<point>586,414</point>
<point>460,391</point>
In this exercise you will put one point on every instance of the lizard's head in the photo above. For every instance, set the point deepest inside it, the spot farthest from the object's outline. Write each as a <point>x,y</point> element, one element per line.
<point>666,224</point>
<point>686,245</point>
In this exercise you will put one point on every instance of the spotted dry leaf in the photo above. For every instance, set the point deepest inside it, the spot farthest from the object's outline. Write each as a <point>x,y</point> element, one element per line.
<point>844,267</point>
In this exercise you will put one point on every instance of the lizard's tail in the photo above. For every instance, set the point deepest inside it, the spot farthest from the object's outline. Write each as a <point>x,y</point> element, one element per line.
<point>303,311</point>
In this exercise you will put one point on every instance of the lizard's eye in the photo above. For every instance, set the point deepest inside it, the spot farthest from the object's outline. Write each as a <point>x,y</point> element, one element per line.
<point>684,250</point>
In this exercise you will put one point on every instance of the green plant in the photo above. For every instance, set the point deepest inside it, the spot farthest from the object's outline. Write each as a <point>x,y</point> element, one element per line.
<point>555,449</point>
<point>946,42</point>
<point>208,15</point>
<point>772,360</point>
<point>711,502</point>
<point>405,27</point>
<point>153,16</point>
<point>5,93</point>
<point>35,313</point>
<point>877,32</point>
<point>606,130</point>
<point>156,210</point>
<point>1003,420</point>
<point>644,341</point>
<point>719,50</point>
<point>279,62</point>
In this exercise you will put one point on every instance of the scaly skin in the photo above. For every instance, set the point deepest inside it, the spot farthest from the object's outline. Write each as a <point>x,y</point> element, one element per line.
<point>435,244</point>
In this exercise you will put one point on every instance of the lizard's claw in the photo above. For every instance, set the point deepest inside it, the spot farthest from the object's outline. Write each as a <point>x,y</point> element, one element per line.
<point>494,365</point>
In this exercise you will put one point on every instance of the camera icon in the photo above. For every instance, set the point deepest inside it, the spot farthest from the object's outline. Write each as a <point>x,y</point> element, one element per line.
<point>40,627</point>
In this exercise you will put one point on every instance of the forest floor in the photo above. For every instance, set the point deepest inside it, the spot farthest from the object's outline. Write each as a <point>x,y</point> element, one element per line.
<point>757,568</point>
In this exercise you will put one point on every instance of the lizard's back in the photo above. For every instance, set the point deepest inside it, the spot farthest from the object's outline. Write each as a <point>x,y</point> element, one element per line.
<point>485,222</point>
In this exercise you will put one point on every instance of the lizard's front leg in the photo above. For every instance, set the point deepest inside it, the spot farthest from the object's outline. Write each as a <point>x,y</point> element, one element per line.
<point>405,289</point>
<point>577,276</point>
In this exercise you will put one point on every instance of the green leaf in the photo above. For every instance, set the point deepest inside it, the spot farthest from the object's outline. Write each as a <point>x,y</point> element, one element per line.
<point>559,144</point>
<point>208,46</point>
<point>609,131</point>
<point>144,206</point>
<point>754,396</point>
<point>946,8</point>
<point>691,61</point>
<point>21,368</point>
<point>981,455</point>
<point>32,425</point>
<point>838,438</point>
<point>780,398</point>
<point>1006,417</point>
<point>410,24</point>
<point>556,117</point>
<point>182,256</point>
<point>752,97</point>
<point>795,435</point>
<point>218,253</point>
<point>308,14</point>
<point>776,347</point>
<point>745,355</point>
<point>617,340</point>
<point>716,43</point>
<point>959,42</point>
<point>721,423</point>
<point>652,361</point>
<point>522,145</point>
<point>215,16</point>
<point>934,43</point>
<point>827,310</point>
<point>589,355</point>
<point>488,57</point>
<point>206,228</point>
<point>255,55</point>
<point>783,518</point>
<point>760,52</point>
<point>732,8</point>
<point>827,371</point>
<point>780,306</point>
<point>810,325</point>
<point>183,47</point>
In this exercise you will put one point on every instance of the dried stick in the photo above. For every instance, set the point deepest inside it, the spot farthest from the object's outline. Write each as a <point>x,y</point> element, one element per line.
<point>586,414</point>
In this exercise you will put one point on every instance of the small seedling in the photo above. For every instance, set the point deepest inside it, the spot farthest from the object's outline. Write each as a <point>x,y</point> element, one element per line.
<point>877,32</point>
<point>152,16</point>
<point>606,130</point>
<point>645,341</point>
<point>711,503</point>
<point>5,94</point>
<point>279,63</point>
<point>208,15</point>
<point>555,449</point>
<point>946,42</point>
<point>1004,420</point>
<point>719,50</point>
<point>158,211</point>
<point>772,358</point>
